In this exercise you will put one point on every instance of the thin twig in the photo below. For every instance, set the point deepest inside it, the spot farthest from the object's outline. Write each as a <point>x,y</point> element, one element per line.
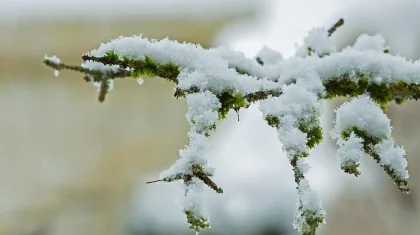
<point>339,23</point>
<point>154,181</point>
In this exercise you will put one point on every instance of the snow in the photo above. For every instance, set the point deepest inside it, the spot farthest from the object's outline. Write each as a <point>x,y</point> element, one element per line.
<point>249,166</point>
<point>202,115</point>
<point>300,81</point>
<point>202,109</point>
<point>194,200</point>
<point>213,66</point>
<point>392,156</point>
<point>319,42</point>
<point>365,42</point>
<point>242,158</point>
<point>269,56</point>
<point>93,65</point>
<point>238,59</point>
<point>54,59</point>
<point>295,101</point>
<point>362,112</point>
<point>212,70</point>
<point>140,81</point>
<point>302,165</point>
<point>297,106</point>
<point>201,68</point>
<point>308,200</point>
<point>351,151</point>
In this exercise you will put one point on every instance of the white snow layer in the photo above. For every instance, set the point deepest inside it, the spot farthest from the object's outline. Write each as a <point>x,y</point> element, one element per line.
<point>351,151</point>
<point>362,112</point>
<point>317,41</point>
<point>269,56</point>
<point>365,42</point>
<point>216,62</point>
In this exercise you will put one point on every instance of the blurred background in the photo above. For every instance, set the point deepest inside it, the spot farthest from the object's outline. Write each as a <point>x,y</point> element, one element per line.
<point>72,165</point>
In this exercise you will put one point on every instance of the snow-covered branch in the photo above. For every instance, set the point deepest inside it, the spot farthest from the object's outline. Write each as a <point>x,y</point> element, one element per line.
<point>290,91</point>
<point>362,128</point>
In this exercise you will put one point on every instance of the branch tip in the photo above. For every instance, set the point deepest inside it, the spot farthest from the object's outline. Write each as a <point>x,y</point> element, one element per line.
<point>154,181</point>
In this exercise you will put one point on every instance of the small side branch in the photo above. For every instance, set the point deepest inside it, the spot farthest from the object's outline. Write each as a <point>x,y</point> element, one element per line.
<point>155,181</point>
<point>338,24</point>
<point>187,178</point>
<point>97,75</point>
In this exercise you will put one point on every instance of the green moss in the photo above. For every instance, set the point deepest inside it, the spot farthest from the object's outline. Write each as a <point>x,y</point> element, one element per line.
<point>312,221</point>
<point>261,95</point>
<point>401,89</point>
<point>181,93</point>
<point>206,131</point>
<point>242,71</point>
<point>314,135</point>
<point>141,67</point>
<point>174,178</point>
<point>273,121</point>
<point>351,168</point>
<point>90,75</point>
<point>298,174</point>
<point>110,57</point>
<point>364,134</point>
<point>196,223</point>
<point>231,99</point>
<point>380,93</point>
<point>309,49</point>
<point>150,68</point>
<point>343,86</point>
<point>368,143</point>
